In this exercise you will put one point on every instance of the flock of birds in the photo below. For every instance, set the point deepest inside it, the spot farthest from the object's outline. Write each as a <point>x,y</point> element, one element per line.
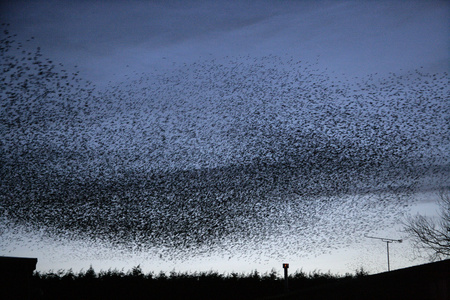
<point>260,155</point>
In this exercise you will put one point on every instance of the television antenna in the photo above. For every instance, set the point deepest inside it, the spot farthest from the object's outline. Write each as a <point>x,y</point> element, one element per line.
<point>387,241</point>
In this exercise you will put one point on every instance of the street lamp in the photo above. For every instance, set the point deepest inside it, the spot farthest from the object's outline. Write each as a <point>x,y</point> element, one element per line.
<point>286,287</point>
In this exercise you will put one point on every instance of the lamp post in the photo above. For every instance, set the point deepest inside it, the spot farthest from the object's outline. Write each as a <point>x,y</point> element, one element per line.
<point>286,286</point>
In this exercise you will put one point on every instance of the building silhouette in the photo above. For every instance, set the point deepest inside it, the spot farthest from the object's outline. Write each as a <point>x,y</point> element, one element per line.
<point>15,277</point>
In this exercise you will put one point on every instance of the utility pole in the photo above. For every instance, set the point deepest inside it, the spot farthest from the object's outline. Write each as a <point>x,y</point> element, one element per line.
<point>387,241</point>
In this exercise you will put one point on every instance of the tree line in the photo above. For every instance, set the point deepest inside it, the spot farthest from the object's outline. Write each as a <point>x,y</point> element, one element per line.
<point>134,284</point>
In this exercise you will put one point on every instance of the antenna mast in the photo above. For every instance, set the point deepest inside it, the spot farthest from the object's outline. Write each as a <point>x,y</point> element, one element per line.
<point>387,241</point>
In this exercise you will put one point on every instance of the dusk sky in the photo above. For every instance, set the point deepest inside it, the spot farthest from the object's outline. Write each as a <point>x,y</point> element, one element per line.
<point>220,135</point>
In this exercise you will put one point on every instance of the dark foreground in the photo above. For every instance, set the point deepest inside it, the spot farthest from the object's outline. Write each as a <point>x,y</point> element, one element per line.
<point>430,281</point>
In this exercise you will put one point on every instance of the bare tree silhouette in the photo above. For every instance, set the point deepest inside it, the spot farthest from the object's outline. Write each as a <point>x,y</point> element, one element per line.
<point>432,235</point>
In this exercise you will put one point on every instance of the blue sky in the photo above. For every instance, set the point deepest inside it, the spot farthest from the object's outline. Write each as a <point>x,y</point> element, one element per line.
<point>233,135</point>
